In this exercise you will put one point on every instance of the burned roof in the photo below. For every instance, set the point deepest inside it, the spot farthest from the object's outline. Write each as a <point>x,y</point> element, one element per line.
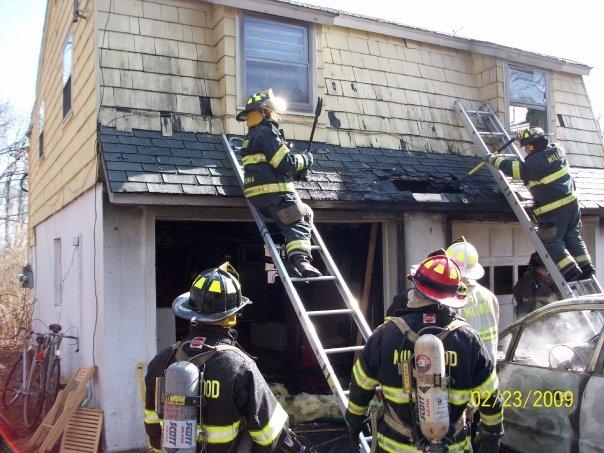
<point>194,164</point>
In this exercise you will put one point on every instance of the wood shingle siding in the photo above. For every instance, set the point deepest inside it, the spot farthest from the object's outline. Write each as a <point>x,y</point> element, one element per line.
<point>172,65</point>
<point>67,168</point>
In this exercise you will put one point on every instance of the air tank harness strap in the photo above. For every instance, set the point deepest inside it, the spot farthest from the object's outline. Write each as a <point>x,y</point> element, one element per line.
<point>391,419</point>
<point>412,335</point>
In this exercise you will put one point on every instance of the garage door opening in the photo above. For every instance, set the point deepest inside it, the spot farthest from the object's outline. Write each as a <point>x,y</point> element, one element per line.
<point>269,329</point>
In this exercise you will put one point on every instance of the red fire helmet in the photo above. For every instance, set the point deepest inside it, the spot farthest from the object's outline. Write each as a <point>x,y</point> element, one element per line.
<point>438,278</point>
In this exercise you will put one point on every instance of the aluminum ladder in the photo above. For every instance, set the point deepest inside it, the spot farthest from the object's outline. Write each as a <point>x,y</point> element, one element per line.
<point>484,124</point>
<point>352,307</point>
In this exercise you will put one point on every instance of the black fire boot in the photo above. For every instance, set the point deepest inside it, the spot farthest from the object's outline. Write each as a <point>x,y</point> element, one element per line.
<point>572,275</point>
<point>302,265</point>
<point>587,271</point>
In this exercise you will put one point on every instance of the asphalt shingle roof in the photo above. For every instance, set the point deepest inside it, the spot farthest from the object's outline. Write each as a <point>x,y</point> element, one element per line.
<point>197,164</point>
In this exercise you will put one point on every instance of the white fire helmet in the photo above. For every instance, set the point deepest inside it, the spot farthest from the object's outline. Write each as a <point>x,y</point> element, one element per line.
<point>466,257</point>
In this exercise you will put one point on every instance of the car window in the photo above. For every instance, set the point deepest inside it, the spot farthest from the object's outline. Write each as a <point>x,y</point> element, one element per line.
<point>502,346</point>
<point>563,341</point>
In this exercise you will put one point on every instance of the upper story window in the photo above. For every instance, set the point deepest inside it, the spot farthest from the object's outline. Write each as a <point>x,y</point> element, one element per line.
<point>67,69</point>
<point>277,55</point>
<point>41,129</point>
<point>527,94</point>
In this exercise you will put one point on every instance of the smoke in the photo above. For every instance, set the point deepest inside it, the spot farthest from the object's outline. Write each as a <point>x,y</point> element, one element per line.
<point>562,340</point>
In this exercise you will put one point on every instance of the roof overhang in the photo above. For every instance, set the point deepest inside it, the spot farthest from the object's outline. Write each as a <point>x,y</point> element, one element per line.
<point>328,16</point>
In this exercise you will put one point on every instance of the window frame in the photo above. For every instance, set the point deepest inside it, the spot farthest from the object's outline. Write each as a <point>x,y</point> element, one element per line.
<point>508,103</point>
<point>41,120</point>
<point>293,109</point>
<point>67,114</point>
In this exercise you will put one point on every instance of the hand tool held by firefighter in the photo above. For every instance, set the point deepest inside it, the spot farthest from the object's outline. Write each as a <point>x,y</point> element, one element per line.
<point>318,110</point>
<point>180,415</point>
<point>482,164</point>
<point>431,387</point>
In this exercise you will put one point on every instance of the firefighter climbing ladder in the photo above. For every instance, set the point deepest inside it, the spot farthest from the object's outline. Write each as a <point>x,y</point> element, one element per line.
<point>352,307</point>
<point>484,124</point>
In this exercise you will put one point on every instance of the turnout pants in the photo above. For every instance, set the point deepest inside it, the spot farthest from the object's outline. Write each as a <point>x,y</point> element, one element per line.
<point>560,232</point>
<point>292,216</point>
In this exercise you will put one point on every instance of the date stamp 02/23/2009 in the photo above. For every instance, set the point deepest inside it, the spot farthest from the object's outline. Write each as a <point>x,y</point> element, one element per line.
<point>538,399</point>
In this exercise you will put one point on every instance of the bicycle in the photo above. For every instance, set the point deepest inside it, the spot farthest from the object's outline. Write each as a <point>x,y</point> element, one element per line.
<point>36,374</point>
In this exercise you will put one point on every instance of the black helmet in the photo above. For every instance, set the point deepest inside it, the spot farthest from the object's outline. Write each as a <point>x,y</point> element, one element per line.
<point>215,295</point>
<point>264,99</point>
<point>530,136</point>
<point>535,260</point>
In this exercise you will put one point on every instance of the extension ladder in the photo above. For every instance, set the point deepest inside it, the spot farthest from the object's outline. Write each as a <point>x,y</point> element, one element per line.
<point>352,307</point>
<point>484,124</point>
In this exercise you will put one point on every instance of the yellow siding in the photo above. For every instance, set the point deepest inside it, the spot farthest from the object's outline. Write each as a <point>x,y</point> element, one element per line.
<point>166,55</point>
<point>68,167</point>
<point>580,135</point>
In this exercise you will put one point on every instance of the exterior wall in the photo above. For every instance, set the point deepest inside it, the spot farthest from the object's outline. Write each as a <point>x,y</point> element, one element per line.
<point>490,77</point>
<point>165,56</point>
<point>127,322</point>
<point>73,224</point>
<point>172,56</point>
<point>580,135</point>
<point>67,169</point>
<point>424,233</point>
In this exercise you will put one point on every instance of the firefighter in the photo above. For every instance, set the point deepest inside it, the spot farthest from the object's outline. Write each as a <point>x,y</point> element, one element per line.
<point>482,308</point>
<point>535,288</point>
<point>269,171</point>
<point>545,172</point>
<point>471,372</point>
<point>241,400</point>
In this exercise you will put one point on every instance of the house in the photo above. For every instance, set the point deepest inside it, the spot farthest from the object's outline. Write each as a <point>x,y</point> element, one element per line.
<point>131,193</point>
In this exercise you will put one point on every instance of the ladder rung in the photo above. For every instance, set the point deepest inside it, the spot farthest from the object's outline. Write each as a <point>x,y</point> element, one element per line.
<point>312,247</point>
<point>346,392</point>
<point>342,311</point>
<point>325,278</point>
<point>346,349</point>
<point>490,133</point>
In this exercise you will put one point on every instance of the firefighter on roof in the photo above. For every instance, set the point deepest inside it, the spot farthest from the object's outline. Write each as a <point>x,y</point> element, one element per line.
<point>393,360</point>
<point>546,174</point>
<point>269,171</point>
<point>240,400</point>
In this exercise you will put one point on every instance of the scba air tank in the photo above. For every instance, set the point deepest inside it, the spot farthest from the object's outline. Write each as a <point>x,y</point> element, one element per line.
<point>432,394</point>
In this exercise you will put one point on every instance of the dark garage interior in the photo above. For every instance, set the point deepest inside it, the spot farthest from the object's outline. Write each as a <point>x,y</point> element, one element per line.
<point>269,329</point>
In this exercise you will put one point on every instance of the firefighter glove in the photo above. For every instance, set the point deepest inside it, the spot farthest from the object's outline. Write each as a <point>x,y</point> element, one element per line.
<point>489,158</point>
<point>309,160</point>
<point>486,441</point>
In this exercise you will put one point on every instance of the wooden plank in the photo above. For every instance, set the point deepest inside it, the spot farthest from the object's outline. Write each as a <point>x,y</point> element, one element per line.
<point>62,411</point>
<point>368,277</point>
<point>77,439</point>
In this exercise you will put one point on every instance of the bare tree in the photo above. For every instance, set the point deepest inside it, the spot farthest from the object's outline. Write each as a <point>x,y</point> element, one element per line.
<point>13,224</point>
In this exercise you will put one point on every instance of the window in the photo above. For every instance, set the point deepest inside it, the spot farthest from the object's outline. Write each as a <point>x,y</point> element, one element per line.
<point>277,55</point>
<point>527,93</point>
<point>41,129</point>
<point>67,68</point>
<point>561,341</point>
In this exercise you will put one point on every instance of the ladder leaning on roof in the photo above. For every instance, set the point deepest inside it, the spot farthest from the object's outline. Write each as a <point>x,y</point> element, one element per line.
<point>351,305</point>
<point>484,124</point>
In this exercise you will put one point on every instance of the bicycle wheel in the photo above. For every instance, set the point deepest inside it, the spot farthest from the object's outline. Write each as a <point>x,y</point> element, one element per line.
<point>52,385</point>
<point>14,383</point>
<point>34,394</point>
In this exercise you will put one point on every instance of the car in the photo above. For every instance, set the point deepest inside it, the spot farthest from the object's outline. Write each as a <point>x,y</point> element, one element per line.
<point>551,377</point>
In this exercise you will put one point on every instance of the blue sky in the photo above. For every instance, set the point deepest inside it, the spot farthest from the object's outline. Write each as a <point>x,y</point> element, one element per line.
<point>571,30</point>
